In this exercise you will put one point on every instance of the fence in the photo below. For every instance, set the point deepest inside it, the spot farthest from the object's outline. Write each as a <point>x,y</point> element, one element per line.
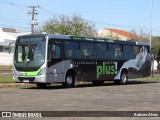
<point>6,59</point>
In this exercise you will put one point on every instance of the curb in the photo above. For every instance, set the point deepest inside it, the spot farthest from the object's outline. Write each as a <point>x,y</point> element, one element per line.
<point>14,85</point>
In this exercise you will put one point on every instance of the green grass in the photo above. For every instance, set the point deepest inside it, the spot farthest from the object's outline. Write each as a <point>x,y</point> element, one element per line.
<point>6,79</point>
<point>5,67</point>
<point>155,77</point>
<point>9,78</point>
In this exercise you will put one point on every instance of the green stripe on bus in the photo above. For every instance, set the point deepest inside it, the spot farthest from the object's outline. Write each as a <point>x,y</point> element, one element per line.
<point>33,73</point>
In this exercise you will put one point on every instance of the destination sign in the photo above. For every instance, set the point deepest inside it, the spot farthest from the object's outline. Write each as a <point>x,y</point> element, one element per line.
<point>90,39</point>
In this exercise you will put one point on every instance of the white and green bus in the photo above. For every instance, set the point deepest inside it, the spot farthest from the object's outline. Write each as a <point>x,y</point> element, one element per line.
<point>47,58</point>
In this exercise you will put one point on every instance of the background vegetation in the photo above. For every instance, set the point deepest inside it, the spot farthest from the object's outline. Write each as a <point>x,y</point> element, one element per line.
<point>78,26</point>
<point>74,25</point>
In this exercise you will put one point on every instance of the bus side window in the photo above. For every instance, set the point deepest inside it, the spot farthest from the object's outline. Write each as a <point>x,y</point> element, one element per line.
<point>54,52</point>
<point>72,49</point>
<point>118,52</point>
<point>87,50</point>
<point>127,52</point>
<point>101,51</point>
<point>115,51</point>
<point>136,50</point>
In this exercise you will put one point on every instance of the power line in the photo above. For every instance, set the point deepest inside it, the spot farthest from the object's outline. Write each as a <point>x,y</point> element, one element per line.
<point>13,4</point>
<point>46,11</point>
<point>12,20</point>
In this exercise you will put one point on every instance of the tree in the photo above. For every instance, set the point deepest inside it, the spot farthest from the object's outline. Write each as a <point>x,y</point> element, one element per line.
<point>145,37</point>
<point>140,35</point>
<point>66,25</point>
<point>156,47</point>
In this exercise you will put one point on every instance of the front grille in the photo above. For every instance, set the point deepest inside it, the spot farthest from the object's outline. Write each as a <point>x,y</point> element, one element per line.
<point>31,79</point>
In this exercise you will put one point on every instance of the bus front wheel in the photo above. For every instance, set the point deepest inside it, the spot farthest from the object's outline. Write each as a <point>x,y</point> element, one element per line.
<point>69,81</point>
<point>41,85</point>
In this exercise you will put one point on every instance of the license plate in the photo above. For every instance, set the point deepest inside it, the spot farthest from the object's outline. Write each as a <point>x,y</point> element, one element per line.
<point>26,81</point>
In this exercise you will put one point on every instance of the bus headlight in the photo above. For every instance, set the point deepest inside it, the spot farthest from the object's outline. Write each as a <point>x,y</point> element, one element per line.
<point>14,72</point>
<point>42,71</point>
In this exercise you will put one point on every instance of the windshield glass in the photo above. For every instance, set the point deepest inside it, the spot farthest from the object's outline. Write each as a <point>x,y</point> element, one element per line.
<point>29,53</point>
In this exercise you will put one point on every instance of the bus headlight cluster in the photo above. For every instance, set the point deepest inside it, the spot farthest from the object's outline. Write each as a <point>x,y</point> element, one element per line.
<point>14,72</point>
<point>42,71</point>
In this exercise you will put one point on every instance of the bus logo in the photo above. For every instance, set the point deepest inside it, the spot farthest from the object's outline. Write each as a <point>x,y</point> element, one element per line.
<point>106,69</point>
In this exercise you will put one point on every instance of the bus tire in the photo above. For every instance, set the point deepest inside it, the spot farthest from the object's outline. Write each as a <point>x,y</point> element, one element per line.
<point>41,85</point>
<point>123,79</point>
<point>69,81</point>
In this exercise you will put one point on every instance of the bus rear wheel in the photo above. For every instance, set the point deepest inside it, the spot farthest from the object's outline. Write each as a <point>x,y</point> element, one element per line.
<point>123,79</point>
<point>41,85</point>
<point>69,81</point>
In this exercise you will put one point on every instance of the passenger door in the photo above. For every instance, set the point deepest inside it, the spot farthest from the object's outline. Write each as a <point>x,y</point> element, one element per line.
<point>55,65</point>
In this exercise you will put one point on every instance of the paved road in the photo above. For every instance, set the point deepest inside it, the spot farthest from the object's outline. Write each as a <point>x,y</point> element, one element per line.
<point>136,96</point>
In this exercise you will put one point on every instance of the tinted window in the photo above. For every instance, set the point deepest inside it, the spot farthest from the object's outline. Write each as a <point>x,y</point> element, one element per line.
<point>127,52</point>
<point>54,52</point>
<point>136,50</point>
<point>115,51</point>
<point>87,50</point>
<point>101,50</point>
<point>72,49</point>
<point>54,49</point>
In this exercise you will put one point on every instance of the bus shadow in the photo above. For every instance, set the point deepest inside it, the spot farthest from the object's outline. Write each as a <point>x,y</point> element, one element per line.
<point>141,82</point>
<point>112,84</point>
<point>89,84</point>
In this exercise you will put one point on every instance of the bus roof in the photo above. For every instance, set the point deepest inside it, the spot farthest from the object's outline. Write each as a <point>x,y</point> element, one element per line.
<point>70,37</point>
<point>79,38</point>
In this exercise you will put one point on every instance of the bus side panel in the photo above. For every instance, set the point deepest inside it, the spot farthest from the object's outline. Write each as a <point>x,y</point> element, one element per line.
<point>57,72</point>
<point>86,69</point>
<point>106,70</point>
<point>142,68</point>
<point>136,68</point>
<point>91,70</point>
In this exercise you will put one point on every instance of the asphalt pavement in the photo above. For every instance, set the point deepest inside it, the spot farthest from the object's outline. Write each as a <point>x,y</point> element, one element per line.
<point>136,96</point>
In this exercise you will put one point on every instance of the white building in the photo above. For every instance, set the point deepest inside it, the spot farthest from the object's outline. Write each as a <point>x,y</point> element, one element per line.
<point>117,34</point>
<point>7,35</point>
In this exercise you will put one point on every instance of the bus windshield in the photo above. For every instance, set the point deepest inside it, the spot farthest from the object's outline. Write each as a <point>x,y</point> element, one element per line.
<point>29,53</point>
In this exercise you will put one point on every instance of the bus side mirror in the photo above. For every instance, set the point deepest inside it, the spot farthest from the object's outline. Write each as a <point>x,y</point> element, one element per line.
<point>9,46</point>
<point>9,50</point>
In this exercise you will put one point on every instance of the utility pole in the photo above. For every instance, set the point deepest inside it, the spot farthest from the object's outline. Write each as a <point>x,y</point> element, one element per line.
<point>151,15</point>
<point>33,21</point>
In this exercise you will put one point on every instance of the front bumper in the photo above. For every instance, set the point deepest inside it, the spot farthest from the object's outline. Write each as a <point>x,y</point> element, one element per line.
<point>30,79</point>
